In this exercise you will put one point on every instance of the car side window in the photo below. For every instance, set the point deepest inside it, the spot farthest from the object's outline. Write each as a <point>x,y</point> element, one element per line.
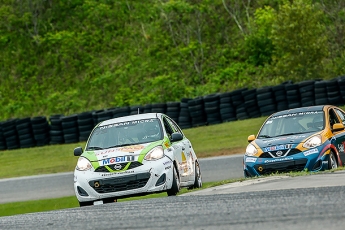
<point>332,118</point>
<point>341,115</point>
<point>174,126</point>
<point>167,127</point>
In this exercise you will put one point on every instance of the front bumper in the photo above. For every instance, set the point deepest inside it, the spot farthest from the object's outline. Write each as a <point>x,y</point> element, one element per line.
<point>256,166</point>
<point>151,177</point>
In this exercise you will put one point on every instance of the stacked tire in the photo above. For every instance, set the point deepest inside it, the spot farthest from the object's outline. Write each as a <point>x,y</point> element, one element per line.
<point>158,108</point>
<point>184,119</point>
<point>2,139</point>
<point>40,129</point>
<point>121,112</point>
<point>56,131</point>
<point>103,115</point>
<point>196,111</point>
<point>333,92</point>
<point>320,91</point>
<point>10,134</point>
<point>212,109</point>
<point>293,95</point>
<point>136,109</point>
<point>307,94</point>
<point>226,108</point>
<point>173,110</point>
<point>266,101</point>
<point>85,125</point>
<point>251,103</point>
<point>70,128</point>
<point>25,134</point>
<point>238,102</point>
<point>341,84</point>
<point>147,108</point>
<point>279,95</point>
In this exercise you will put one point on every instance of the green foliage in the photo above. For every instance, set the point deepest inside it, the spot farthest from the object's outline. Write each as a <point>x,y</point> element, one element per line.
<point>72,56</point>
<point>299,40</point>
<point>258,44</point>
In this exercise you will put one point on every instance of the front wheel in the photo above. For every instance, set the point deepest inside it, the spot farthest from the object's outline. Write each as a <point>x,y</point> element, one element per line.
<point>332,162</point>
<point>175,188</point>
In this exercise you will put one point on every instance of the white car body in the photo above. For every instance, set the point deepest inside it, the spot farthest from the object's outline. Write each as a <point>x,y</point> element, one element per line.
<point>125,171</point>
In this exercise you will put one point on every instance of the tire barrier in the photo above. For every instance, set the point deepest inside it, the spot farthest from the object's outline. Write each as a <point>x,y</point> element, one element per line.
<point>85,123</point>
<point>197,112</point>
<point>184,119</point>
<point>173,110</point>
<point>3,145</point>
<point>70,128</point>
<point>56,131</point>
<point>10,134</point>
<point>136,109</point>
<point>40,129</point>
<point>25,133</point>
<point>211,109</point>
<point>226,108</point>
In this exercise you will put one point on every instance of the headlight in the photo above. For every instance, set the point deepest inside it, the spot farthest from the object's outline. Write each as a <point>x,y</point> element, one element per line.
<point>155,154</point>
<point>313,142</point>
<point>251,150</point>
<point>83,164</point>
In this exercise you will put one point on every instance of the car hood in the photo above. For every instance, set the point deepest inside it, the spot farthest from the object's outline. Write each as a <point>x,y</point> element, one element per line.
<point>121,154</point>
<point>282,140</point>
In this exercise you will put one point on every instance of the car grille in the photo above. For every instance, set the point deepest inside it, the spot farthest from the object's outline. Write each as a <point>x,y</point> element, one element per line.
<point>118,184</point>
<point>132,165</point>
<point>274,153</point>
<point>281,167</point>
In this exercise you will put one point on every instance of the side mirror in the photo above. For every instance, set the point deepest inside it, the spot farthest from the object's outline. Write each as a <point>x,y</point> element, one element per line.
<point>251,138</point>
<point>78,151</point>
<point>338,127</point>
<point>176,137</point>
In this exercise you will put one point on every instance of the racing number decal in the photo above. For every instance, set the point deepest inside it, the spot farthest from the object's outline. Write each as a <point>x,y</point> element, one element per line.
<point>186,163</point>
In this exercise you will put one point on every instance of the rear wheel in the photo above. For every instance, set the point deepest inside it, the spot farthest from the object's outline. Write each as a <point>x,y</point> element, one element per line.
<point>332,162</point>
<point>175,188</point>
<point>198,179</point>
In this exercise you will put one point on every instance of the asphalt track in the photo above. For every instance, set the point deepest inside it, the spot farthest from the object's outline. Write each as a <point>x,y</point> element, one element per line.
<point>308,202</point>
<point>61,184</point>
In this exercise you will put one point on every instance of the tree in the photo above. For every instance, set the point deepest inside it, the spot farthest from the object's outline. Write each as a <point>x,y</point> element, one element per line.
<point>299,40</point>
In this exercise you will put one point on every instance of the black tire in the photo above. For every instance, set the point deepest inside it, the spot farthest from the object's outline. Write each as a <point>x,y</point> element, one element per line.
<point>175,187</point>
<point>197,178</point>
<point>332,162</point>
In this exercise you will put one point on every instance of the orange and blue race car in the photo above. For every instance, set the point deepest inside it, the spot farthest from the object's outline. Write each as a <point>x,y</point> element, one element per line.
<point>300,139</point>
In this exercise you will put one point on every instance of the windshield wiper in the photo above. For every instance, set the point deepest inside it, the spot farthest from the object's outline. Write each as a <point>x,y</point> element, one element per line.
<point>287,134</point>
<point>122,145</point>
<point>265,136</point>
<point>94,148</point>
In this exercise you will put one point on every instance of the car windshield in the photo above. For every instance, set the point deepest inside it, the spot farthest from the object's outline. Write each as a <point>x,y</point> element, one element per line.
<point>125,133</point>
<point>292,124</point>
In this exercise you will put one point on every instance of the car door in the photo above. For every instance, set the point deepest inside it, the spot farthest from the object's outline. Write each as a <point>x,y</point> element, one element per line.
<point>340,135</point>
<point>187,168</point>
<point>178,148</point>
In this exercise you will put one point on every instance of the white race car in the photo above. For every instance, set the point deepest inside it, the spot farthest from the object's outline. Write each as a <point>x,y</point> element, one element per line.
<point>133,156</point>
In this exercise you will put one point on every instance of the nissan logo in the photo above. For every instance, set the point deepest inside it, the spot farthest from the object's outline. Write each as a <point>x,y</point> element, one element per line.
<point>279,153</point>
<point>117,167</point>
